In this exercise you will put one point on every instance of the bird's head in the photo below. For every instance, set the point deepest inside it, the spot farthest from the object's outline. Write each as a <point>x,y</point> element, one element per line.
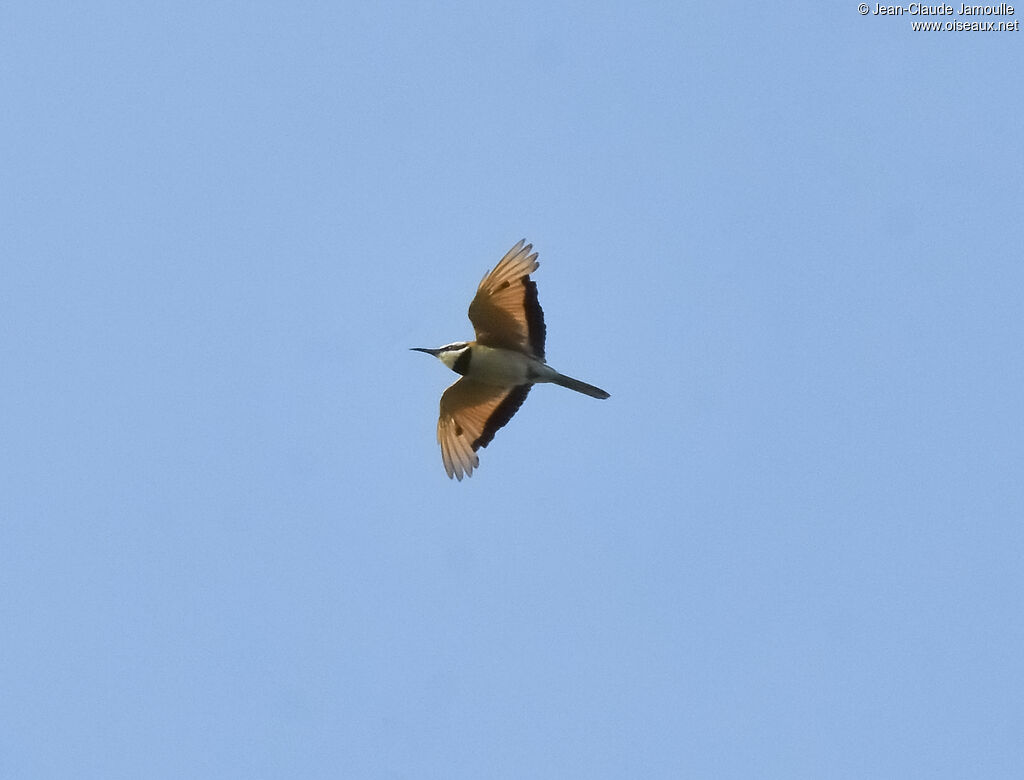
<point>447,354</point>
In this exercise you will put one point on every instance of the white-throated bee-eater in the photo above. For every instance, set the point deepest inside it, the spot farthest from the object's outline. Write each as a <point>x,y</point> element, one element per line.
<point>498,368</point>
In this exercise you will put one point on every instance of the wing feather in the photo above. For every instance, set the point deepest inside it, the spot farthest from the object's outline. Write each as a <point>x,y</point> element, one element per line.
<point>505,311</point>
<point>471,413</point>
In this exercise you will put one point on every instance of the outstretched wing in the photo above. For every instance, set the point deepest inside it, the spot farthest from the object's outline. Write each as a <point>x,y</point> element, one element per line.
<point>471,413</point>
<point>505,312</point>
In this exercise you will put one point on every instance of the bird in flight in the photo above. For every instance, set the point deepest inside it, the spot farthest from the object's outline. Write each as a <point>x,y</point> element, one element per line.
<point>499,368</point>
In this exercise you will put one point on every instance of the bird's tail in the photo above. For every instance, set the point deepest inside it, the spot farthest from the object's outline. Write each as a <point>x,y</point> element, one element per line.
<point>578,386</point>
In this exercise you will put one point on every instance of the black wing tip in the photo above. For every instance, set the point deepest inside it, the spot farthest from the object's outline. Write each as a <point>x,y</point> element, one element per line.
<point>534,318</point>
<point>502,413</point>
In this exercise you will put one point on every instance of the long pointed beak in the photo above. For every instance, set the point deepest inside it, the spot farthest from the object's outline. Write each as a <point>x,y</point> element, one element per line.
<point>424,349</point>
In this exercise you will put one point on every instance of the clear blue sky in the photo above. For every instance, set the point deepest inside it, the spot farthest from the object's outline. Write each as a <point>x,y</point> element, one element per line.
<point>786,238</point>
